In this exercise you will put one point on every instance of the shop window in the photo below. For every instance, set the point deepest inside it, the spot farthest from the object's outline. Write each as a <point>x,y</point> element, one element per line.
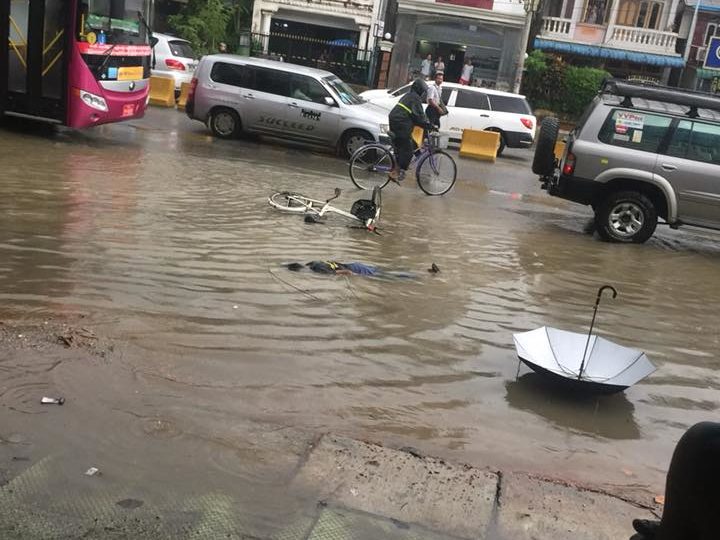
<point>596,12</point>
<point>710,32</point>
<point>640,14</point>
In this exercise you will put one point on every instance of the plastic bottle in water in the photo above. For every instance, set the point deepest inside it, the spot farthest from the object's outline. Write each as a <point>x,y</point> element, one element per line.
<point>102,38</point>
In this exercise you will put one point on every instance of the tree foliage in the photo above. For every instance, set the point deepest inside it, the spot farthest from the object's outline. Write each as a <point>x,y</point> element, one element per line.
<point>204,23</point>
<point>551,84</point>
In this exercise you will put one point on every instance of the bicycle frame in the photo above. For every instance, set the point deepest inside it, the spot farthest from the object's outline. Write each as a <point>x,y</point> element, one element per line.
<point>311,207</point>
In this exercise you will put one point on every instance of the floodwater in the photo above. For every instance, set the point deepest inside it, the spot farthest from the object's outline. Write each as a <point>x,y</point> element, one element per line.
<point>161,237</point>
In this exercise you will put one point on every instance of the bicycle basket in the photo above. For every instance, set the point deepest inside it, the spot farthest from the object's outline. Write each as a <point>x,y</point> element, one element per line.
<point>363,209</point>
<point>434,139</point>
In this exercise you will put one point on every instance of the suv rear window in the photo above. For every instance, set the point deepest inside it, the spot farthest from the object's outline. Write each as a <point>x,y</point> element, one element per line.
<point>635,130</point>
<point>232,74</point>
<point>509,104</point>
<point>181,48</point>
<point>471,100</point>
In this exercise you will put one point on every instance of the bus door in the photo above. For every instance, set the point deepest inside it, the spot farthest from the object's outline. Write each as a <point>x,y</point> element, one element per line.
<point>36,57</point>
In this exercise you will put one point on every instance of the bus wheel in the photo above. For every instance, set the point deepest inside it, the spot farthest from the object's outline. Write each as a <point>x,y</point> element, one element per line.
<point>224,123</point>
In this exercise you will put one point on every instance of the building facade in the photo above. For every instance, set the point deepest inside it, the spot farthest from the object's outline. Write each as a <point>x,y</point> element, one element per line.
<point>351,23</point>
<point>635,38</point>
<point>705,27</point>
<point>487,32</point>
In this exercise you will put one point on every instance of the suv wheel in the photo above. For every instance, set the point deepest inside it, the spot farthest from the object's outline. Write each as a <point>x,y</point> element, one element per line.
<point>626,216</point>
<point>354,140</point>
<point>224,123</point>
<point>501,142</point>
<point>544,158</point>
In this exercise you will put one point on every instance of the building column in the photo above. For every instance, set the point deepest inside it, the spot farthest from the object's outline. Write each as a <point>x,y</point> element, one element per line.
<point>265,29</point>
<point>364,42</point>
<point>611,20</point>
<point>403,50</point>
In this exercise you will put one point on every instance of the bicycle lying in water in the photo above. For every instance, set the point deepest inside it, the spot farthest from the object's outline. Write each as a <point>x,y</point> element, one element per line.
<point>435,169</point>
<point>366,211</point>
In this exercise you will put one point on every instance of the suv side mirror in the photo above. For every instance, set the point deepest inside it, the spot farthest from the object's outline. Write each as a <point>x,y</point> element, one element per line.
<point>330,102</point>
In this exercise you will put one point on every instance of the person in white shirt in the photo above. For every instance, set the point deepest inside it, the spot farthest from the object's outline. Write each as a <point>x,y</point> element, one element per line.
<point>436,108</point>
<point>440,65</point>
<point>467,71</point>
<point>426,67</point>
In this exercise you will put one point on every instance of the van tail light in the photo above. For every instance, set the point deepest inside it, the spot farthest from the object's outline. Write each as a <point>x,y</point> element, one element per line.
<point>191,90</point>
<point>174,64</point>
<point>527,122</point>
<point>569,165</point>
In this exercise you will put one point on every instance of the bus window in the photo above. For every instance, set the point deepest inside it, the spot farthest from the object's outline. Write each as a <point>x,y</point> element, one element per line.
<point>17,52</point>
<point>52,64</point>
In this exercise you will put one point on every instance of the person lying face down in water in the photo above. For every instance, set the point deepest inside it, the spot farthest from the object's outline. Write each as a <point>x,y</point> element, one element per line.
<point>351,268</point>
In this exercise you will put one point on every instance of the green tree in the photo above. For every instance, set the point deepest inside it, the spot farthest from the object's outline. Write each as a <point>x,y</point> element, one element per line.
<point>203,22</point>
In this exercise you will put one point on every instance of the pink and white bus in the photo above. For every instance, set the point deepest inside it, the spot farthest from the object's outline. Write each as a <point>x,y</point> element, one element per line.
<point>79,63</point>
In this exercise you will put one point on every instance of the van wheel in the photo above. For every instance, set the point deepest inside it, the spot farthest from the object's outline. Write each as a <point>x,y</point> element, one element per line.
<point>544,160</point>
<point>354,140</point>
<point>224,123</point>
<point>626,216</point>
<point>502,143</point>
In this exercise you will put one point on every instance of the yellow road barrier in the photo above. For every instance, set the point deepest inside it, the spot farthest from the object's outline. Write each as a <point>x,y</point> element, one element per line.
<point>182,100</point>
<point>559,149</point>
<point>162,91</point>
<point>480,144</point>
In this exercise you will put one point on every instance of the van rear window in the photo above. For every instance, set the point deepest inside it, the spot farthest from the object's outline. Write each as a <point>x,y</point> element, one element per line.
<point>509,104</point>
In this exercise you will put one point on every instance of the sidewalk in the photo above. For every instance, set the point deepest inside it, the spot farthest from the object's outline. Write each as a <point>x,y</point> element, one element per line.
<point>355,490</point>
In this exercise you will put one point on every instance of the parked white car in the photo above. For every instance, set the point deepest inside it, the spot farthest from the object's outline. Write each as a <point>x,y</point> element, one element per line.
<point>173,57</point>
<point>470,107</point>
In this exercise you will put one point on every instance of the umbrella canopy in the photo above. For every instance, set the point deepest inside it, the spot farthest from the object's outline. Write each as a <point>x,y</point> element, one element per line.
<point>595,363</point>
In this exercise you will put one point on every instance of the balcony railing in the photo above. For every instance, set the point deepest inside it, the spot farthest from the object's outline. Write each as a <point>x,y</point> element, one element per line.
<point>556,27</point>
<point>643,40</point>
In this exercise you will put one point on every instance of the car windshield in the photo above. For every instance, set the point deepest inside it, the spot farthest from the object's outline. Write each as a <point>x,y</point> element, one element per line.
<point>346,94</point>
<point>117,19</point>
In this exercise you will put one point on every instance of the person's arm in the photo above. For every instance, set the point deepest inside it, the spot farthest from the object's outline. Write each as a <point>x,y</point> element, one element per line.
<point>418,114</point>
<point>434,102</point>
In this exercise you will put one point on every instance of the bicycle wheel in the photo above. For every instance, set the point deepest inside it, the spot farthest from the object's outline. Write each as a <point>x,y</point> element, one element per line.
<point>370,166</point>
<point>436,173</point>
<point>291,202</point>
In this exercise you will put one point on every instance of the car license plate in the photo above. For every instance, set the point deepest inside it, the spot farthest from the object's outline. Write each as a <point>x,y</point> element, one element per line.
<point>130,73</point>
<point>128,109</point>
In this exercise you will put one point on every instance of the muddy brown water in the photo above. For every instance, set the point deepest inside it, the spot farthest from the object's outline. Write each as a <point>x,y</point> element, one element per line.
<point>162,238</point>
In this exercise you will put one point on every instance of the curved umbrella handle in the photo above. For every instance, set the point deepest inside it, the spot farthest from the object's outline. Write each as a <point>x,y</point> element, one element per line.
<point>600,291</point>
<point>583,364</point>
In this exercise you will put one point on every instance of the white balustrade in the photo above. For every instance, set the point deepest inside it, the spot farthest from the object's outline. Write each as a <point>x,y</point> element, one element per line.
<point>556,27</point>
<point>643,40</point>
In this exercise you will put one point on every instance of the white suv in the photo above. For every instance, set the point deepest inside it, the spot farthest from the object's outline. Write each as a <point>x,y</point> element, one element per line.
<point>470,107</point>
<point>173,57</point>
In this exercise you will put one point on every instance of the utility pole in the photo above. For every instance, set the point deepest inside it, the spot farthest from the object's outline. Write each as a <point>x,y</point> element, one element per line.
<point>530,6</point>
<point>691,36</point>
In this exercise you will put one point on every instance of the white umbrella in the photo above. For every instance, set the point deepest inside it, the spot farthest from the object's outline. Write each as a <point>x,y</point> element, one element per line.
<point>584,361</point>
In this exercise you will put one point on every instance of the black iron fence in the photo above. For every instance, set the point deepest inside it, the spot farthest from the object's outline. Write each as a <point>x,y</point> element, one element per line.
<point>341,57</point>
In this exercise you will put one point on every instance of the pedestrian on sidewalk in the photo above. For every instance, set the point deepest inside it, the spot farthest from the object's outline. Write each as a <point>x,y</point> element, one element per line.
<point>466,75</point>
<point>439,65</point>
<point>222,47</point>
<point>426,67</point>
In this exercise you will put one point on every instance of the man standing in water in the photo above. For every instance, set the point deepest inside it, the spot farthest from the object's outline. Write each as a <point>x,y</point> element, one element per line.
<point>436,108</point>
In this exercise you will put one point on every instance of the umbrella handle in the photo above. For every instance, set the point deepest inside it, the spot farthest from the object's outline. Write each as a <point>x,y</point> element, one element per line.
<point>600,291</point>
<point>583,363</point>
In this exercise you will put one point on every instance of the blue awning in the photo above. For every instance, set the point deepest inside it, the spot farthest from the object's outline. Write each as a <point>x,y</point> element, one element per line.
<point>596,51</point>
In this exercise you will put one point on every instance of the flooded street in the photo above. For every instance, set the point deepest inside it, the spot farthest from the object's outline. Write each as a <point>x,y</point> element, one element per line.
<point>160,237</point>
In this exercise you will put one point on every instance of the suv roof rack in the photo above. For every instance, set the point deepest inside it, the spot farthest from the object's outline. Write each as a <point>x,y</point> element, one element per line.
<point>665,94</point>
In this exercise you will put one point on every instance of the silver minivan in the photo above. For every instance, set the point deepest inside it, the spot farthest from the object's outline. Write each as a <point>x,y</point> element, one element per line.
<point>232,93</point>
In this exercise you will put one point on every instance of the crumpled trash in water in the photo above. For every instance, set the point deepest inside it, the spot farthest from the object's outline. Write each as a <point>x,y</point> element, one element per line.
<point>92,471</point>
<point>52,401</point>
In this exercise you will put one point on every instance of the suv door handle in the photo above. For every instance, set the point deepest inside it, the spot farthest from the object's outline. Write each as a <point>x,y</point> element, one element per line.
<point>249,96</point>
<point>485,116</point>
<point>668,167</point>
<point>293,105</point>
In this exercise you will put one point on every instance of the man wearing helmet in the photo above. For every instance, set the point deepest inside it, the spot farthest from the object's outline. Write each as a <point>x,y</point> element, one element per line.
<point>407,114</point>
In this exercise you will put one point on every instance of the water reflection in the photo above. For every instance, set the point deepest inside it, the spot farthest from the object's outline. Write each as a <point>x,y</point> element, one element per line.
<point>612,417</point>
